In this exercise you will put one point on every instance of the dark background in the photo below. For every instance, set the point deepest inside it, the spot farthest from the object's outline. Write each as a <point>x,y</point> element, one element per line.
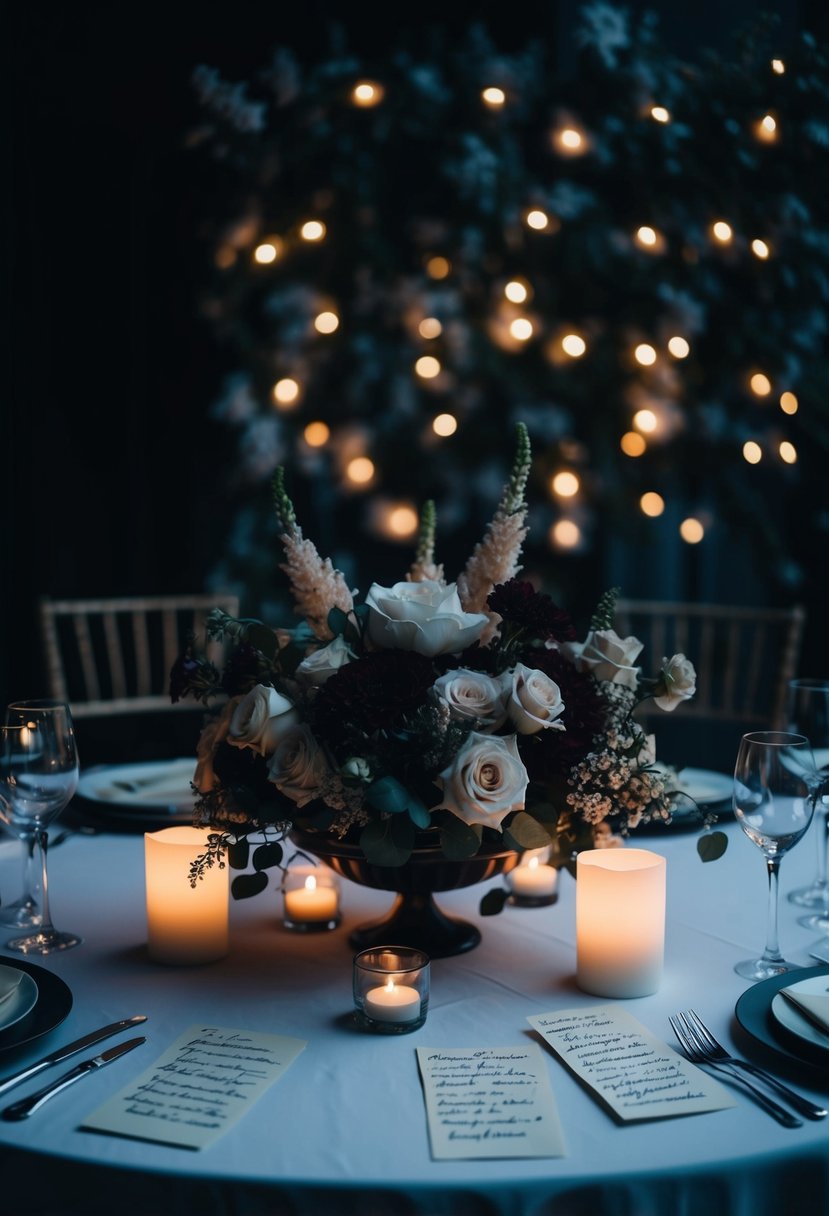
<point>109,458</point>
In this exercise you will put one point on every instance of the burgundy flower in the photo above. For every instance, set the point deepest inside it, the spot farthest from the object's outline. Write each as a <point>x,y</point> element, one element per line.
<point>242,669</point>
<point>556,751</point>
<point>520,605</point>
<point>371,693</point>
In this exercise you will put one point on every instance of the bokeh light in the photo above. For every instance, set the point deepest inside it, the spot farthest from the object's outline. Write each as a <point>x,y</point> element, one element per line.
<point>286,392</point>
<point>645,354</point>
<point>312,230</point>
<point>326,322</point>
<point>316,434</point>
<point>360,470</point>
<point>652,504</point>
<point>444,425</point>
<point>679,347</point>
<point>427,367</point>
<point>646,421</point>
<point>494,97</point>
<point>367,93</point>
<point>565,534</point>
<point>760,384</point>
<point>633,444</point>
<point>752,452</point>
<point>788,403</point>
<point>521,329</point>
<point>573,345</point>
<point>691,530</point>
<point>438,267</point>
<point>788,452</point>
<point>430,327</point>
<point>565,484</point>
<point>722,232</point>
<point>267,251</point>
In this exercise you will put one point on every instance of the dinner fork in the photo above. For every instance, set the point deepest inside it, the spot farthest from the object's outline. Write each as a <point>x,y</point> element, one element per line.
<point>695,1053</point>
<point>717,1052</point>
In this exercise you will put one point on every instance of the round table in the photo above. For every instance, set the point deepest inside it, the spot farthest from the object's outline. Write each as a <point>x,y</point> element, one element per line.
<point>344,1130</point>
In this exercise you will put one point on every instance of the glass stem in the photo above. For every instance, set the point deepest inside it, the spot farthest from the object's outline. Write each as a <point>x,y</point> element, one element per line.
<point>822,810</point>
<point>772,950</point>
<point>27,899</point>
<point>42,841</point>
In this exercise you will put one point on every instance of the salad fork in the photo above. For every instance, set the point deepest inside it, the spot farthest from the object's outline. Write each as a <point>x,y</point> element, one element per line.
<point>697,1055</point>
<point>718,1053</point>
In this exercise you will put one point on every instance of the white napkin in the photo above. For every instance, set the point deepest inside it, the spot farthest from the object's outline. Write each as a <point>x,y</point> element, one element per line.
<point>9,981</point>
<point>814,1006</point>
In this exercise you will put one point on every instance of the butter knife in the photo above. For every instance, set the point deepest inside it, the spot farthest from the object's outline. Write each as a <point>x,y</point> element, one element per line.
<point>27,1106</point>
<point>63,1053</point>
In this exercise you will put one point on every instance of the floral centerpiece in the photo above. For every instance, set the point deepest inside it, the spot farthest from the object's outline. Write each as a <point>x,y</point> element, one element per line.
<point>467,709</point>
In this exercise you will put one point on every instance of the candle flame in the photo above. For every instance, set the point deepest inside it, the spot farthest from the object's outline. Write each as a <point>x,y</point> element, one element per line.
<point>390,986</point>
<point>310,883</point>
<point>532,864</point>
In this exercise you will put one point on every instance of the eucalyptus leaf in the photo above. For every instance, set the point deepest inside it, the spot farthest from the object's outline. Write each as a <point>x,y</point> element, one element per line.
<point>337,621</point>
<point>418,813</point>
<point>237,855</point>
<point>459,840</point>
<point>379,846</point>
<point>712,845</point>
<point>245,886</point>
<point>389,795</point>
<point>526,832</point>
<point>267,855</point>
<point>493,902</point>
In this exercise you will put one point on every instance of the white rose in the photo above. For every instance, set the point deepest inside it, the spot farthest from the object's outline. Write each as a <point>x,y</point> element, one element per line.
<point>534,700</point>
<point>607,656</point>
<point>677,682</point>
<point>260,718</point>
<point>298,766</point>
<point>472,694</point>
<point>321,664</point>
<point>485,781</point>
<point>214,733</point>
<point>426,617</point>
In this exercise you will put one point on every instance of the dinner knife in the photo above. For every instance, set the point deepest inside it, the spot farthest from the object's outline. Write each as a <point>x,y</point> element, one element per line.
<point>27,1106</point>
<point>63,1053</point>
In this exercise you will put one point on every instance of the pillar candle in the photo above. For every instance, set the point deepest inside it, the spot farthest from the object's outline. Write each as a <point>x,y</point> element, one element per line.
<point>185,925</point>
<point>620,921</point>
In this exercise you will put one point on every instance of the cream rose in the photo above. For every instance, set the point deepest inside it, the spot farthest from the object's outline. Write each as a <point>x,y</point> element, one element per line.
<point>426,617</point>
<point>472,695</point>
<point>260,719</point>
<point>298,766</point>
<point>677,681</point>
<point>485,781</point>
<point>214,733</point>
<point>534,700</point>
<point>321,664</point>
<point>607,656</point>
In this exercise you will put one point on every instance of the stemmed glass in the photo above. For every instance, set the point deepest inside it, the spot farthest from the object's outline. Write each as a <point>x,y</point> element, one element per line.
<point>809,715</point>
<point>39,770</point>
<point>775,790</point>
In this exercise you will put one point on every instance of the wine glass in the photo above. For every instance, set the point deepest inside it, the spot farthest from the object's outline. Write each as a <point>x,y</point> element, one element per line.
<point>39,770</point>
<point>808,714</point>
<point>775,790</point>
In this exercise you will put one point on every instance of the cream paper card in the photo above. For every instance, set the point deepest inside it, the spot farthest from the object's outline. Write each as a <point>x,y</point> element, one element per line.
<point>198,1088</point>
<point>493,1102</point>
<point>631,1070</point>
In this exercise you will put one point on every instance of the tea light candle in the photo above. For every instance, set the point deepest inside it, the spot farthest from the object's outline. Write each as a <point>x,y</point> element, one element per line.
<point>534,879</point>
<point>393,1003</point>
<point>185,925</point>
<point>311,902</point>
<point>620,921</point>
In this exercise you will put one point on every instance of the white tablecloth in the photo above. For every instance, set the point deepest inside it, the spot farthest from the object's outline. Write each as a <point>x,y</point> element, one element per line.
<point>344,1131</point>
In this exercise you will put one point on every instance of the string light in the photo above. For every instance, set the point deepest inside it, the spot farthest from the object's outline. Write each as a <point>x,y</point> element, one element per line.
<point>401,520</point>
<point>438,267</point>
<point>224,257</point>
<point>660,114</point>
<point>647,237</point>
<point>360,470</point>
<point>645,354</point>
<point>691,530</point>
<point>312,230</point>
<point>493,97</point>
<point>679,347</point>
<point>652,504</point>
<point>267,251</point>
<point>570,141</point>
<point>752,452</point>
<point>645,420</point>
<point>539,220</point>
<point>367,93</point>
<point>316,434</point>
<point>722,232</point>
<point>286,393</point>
<point>788,403</point>
<point>565,534</point>
<point>633,444</point>
<point>427,367</point>
<point>565,484</point>
<point>778,66</point>
<point>326,322</point>
<point>760,384</point>
<point>516,291</point>
<point>766,129</point>
<point>760,249</point>
<point>788,452</point>
<point>445,425</point>
<point>573,345</point>
<point>430,327</point>
<point>521,329</point>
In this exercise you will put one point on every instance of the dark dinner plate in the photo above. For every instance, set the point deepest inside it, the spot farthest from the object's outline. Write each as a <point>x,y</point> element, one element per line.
<point>54,1001</point>
<point>753,1012</point>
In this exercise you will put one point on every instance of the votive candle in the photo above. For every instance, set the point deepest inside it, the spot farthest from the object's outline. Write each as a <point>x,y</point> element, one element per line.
<point>311,902</point>
<point>620,921</point>
<point>186,924</point>
<point>393,1003</point>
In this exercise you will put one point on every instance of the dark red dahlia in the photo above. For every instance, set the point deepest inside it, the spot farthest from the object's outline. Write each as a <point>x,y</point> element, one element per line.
<point>522,607</point>
<point>554,752</point>
<point>371,693</point>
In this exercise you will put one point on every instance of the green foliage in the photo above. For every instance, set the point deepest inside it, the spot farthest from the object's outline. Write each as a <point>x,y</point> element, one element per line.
<point>245,886</point>
<point>605,612</point>
<point>712,845</point>
<point>493,902</point>
<point>525,832</point>
<point>238,855</point>
<point>388,842</point>
<point>459,840</point>
<point>268,855</point>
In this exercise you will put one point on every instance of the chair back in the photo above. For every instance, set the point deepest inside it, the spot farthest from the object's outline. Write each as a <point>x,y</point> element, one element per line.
<point>113,656</point>
<point>744,657</point>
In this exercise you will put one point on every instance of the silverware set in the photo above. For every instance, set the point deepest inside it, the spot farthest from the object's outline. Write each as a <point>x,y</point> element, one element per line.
<point>700,1046</point>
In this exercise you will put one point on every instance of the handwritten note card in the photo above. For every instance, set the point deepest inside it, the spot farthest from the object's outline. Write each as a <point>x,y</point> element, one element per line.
<point>638,1076</point>
<point>495,1102</point>
<point>198,1088</point>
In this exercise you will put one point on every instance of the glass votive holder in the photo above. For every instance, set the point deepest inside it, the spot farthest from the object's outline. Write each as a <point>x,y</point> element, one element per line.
<point>533,883</point>
<point>311,899</point>
<point>391,989</point>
